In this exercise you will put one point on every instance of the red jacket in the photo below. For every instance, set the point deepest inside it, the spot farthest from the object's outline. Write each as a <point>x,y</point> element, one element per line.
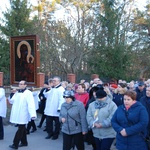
<point>82,97</point>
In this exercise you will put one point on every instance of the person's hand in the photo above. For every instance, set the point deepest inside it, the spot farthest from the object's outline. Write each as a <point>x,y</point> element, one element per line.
<point>107,90</point>
<point>14,90</point>
<point>33,118</point>
<point>97,125</point>
<point>83,133</point>
<point>123,132</point>
<point>63,120</point>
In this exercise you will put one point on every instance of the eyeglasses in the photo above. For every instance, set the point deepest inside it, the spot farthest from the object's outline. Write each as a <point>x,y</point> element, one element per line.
<point>54,80</point>
<point>65,97</point>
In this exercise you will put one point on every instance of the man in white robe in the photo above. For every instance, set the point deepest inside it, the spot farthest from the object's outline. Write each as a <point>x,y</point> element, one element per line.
<point>3,108</point>
<point>52,109</point>
<point>23,110</point>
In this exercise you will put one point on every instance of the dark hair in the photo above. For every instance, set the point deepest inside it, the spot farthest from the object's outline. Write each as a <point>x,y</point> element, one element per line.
<point>50,80</point>
<point>57,78</point>
<point>131,94</point>
<point>72,97</point>
<point>123,85</point>
<point>82,84</point>
<point>25,82</point>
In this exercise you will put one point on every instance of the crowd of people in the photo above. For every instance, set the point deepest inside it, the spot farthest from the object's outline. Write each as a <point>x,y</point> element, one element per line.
<point>94,112</point>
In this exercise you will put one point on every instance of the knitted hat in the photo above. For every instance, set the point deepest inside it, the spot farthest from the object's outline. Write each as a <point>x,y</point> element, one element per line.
<point>101,94</point>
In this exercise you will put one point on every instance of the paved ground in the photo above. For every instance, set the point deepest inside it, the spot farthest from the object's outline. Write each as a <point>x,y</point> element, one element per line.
<point>36,140</point>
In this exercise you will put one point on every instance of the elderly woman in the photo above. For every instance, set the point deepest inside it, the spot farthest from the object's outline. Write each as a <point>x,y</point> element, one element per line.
<point>74,124</point>
<point>130,122</point>
<point>99,116</point>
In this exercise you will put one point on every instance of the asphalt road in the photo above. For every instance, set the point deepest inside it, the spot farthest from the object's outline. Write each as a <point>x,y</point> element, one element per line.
<point>36,140</point>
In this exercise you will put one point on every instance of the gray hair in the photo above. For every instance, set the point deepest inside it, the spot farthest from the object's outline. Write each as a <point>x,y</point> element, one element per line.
<point>57,78</point>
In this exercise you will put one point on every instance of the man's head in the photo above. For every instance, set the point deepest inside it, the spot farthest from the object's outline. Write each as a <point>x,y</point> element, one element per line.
<point>141,85</point>
<point>56,81</point>
<point>22,84</point>
<point>131,86</point>
<point>97,81</point>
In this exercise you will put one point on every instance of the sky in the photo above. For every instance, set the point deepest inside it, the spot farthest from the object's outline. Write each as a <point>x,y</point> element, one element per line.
<point>5,3</point>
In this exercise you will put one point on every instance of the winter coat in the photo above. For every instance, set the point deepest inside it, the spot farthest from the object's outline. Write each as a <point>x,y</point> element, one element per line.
<point>82,97</point>
<point>135,122</point>
<point>118,99</point>
<point>103,116</point>
<point>139,93</point>
<point>75,116</point>
<point>3,104</point>
<point>89,102</point>
<point>23,108</point>
<point>146,103</point>
<point>42,100</point>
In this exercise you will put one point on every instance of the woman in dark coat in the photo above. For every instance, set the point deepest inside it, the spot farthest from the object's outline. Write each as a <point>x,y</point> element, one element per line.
<point>130,122</point>
<point>119,94</point>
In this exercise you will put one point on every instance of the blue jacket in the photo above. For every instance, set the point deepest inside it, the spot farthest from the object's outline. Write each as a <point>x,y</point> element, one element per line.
<point>135,122</point>
<point>146,103</point>
<point>139,93</point>
<point>118,99</point>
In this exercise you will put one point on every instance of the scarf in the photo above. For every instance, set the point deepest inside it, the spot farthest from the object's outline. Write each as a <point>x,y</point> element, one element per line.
<point>100,104</point>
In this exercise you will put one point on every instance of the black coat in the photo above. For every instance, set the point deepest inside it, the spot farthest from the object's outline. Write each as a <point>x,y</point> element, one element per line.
<point>139,93</point>
<point>42,100</point>
<point>146,103</point>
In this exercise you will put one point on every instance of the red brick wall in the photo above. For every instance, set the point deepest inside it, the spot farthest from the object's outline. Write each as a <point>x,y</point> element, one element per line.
<point>40,79</point>
<point>71,78</point>
<point>1,78</point>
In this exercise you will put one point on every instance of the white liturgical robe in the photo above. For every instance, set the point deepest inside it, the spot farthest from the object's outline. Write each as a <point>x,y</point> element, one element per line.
<point>3,104</point>
<point>23,108</point>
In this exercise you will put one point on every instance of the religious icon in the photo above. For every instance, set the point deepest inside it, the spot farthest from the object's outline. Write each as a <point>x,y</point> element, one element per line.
<point>24,59</point>
<point>25,63</point>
